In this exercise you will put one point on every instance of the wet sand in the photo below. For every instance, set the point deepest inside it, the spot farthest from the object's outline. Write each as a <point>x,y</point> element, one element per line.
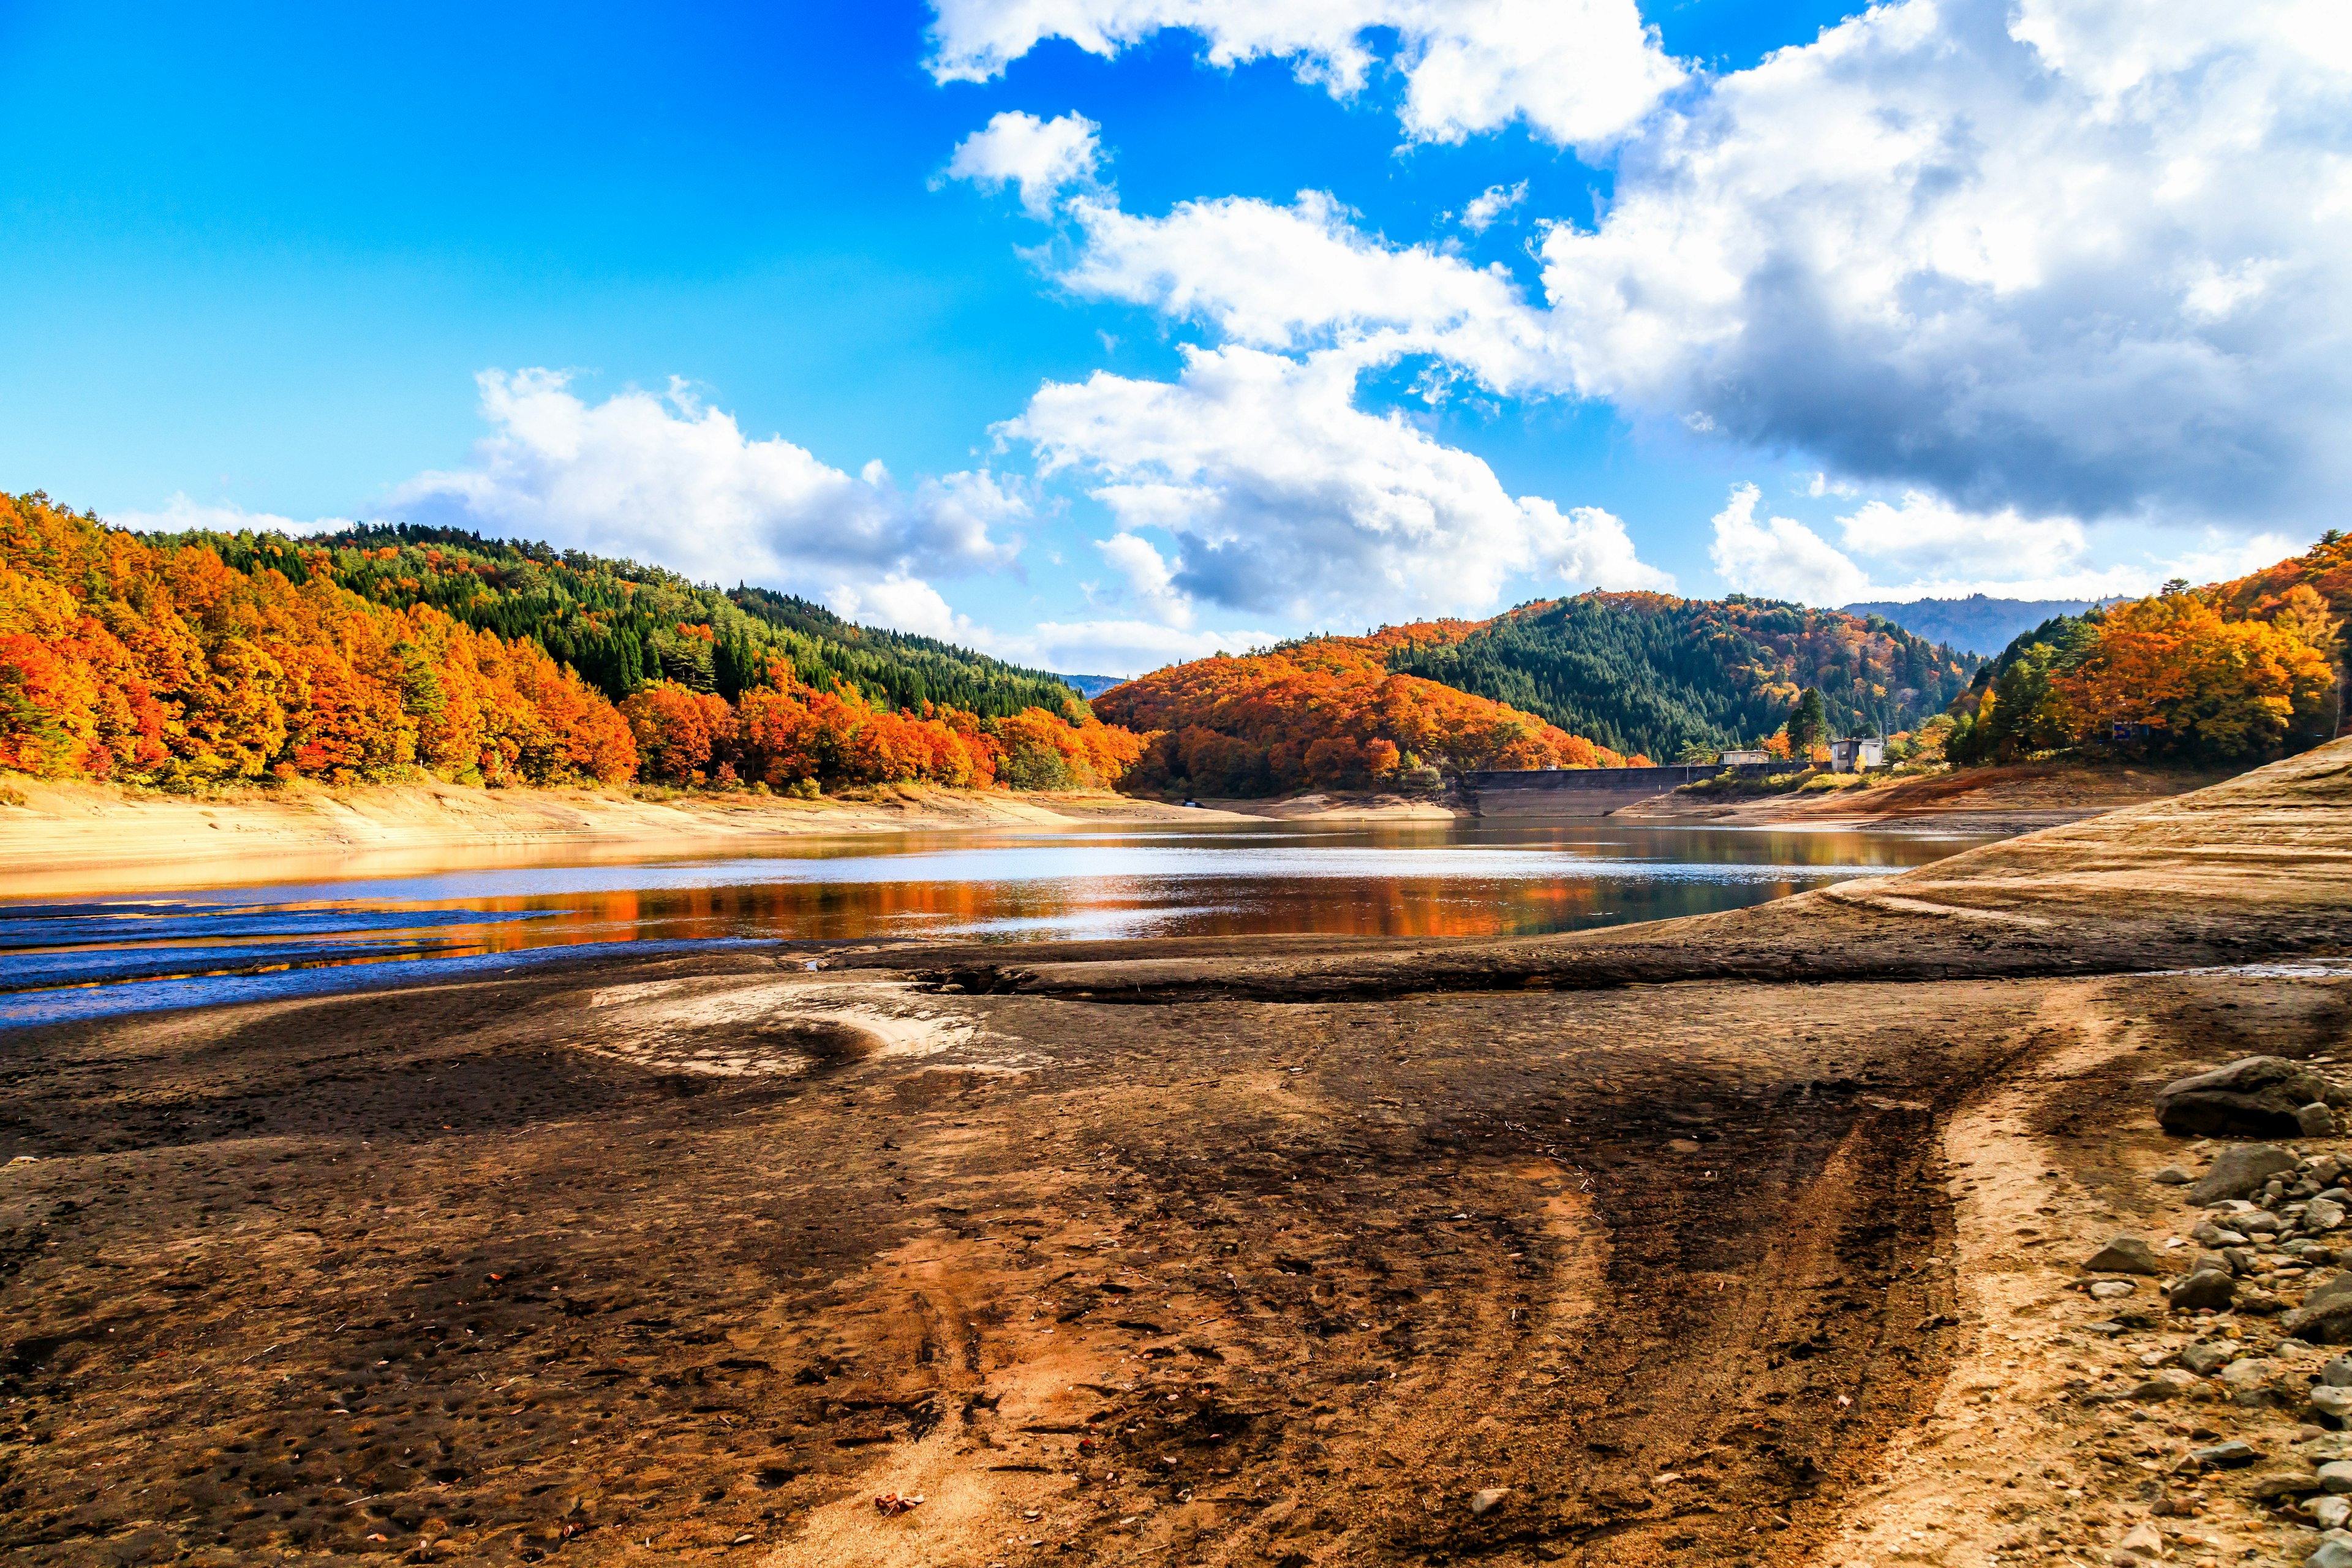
<point>1202,1251</point>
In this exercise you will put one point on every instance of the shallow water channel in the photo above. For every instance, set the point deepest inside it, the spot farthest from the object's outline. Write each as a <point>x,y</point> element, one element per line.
<point>239,932</point>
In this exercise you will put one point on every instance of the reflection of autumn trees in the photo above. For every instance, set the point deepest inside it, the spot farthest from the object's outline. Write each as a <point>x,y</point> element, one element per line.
<point>123,659</point>
<point>1325,711</point>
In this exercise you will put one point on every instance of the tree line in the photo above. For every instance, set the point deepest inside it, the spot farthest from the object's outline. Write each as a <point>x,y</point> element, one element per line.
<point>189,660</point>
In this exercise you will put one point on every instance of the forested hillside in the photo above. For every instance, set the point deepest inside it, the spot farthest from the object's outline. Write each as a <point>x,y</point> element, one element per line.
<point>621,625</point>
<point>2232,672</point>
<point>1325,711</point>
<point>1649,672</point>
<point>186,662</point>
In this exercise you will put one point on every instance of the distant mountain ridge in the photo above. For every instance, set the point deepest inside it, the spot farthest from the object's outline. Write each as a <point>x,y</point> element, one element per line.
<point>1975,625</point>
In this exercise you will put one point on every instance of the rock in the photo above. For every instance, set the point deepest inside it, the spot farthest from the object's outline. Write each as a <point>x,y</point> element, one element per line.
<point>2329,1400</point>
<point>1487,1501</point>
<point>2207,1357</point>
<point>2211,1234</point>
<point>2234,1455</point>
<point>2173,1176</point>
<point>2111,1289</point>
<point>2316,1120</point>
<point>2330,1512</point>
<point>2262,1221</point>
<point>2208,1288</point>
<point>2325,1169</point>
<point>2251,1098</point>
<point>2325,1316</point>
<point>2141,1543</point>
<point>2322,1214</point>
<point>2248,1374</point>
<point>2124,1255</point>
<point>2331,1554</point>
<point>2156,1389</point>
<point>2337,1374</point>
<point>2238,1171</point>
<point>2336,1476</point>
<point>2285,1483</point>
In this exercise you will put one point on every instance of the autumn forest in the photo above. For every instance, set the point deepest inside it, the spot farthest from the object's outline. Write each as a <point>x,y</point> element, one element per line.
<point>382,652</point>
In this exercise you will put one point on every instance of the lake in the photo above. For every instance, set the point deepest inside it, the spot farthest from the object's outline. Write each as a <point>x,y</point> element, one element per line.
<point>239,932</point>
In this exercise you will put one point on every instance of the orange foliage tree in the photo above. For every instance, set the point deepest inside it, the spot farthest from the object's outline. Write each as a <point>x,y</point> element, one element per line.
<point>1325,712</point>
<point>782,732</point>
<point>2216,688</point>
<point>119,659</point>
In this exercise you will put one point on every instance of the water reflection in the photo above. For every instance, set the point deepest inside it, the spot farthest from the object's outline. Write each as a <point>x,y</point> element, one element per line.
<point>1404,880</point>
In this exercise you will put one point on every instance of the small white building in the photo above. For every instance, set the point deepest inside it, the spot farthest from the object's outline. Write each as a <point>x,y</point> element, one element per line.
<point>1730,758</point>
<point>1857,753</point>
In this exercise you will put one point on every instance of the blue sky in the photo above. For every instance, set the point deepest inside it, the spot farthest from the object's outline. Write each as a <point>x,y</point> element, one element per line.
<point>666,281</point>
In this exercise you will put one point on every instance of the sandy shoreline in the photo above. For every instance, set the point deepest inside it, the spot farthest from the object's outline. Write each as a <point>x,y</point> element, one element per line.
<point>61,831</point>
<point>58,836</point>
<point>1745,1238</point>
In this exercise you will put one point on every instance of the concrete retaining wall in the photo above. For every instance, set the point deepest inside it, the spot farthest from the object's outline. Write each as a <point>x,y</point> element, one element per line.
<point>1593,792</point>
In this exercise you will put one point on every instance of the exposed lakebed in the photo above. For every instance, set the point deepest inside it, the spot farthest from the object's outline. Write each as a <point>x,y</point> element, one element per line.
<point>256,933</point>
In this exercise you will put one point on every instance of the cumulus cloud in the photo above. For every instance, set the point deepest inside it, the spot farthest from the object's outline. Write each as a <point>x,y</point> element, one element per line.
<point>2089,256</point>
<point>1285,499</point>
<point>1150,581</point>
<point>1303,275</point>
<point>664,479</point>
<point>1490,203</point>
<point>1577,72</point>
<point>2078,259</point>
<point>1922,548</point>
<point>1041,156</point>
<point>1780,558</point>
<point>180,514</point>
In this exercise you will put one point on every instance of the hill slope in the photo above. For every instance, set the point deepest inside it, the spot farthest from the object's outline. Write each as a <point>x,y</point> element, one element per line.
<point>2230,673</point>
<point>622,624</point>
<point>1649,672</point>
<point>1325,711</point>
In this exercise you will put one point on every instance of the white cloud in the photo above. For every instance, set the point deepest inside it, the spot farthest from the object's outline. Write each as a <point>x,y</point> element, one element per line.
<point>1041,156</point>
<point>1577,72</point>
<point>1780,558</point>
<point>667,480</point>
<point>1932,538</point>
<point>2089,259</point>
<point>1285,277</point>
<point>2090,256</point>
<point>180,514</point>
<point>1490,203</point>
<point>1149,579</point>
<point>1926,549</point>
<point>1285,499</point>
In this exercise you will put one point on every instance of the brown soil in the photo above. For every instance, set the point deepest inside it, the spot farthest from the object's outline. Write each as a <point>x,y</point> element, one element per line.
<point>2015,799</point>
<point>1199,1252</point>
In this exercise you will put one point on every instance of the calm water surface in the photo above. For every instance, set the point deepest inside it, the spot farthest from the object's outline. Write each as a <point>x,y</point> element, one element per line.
<point>367,920</point>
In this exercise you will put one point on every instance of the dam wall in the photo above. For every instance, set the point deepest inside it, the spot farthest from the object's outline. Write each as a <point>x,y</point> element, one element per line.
<point>1594,792</point>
